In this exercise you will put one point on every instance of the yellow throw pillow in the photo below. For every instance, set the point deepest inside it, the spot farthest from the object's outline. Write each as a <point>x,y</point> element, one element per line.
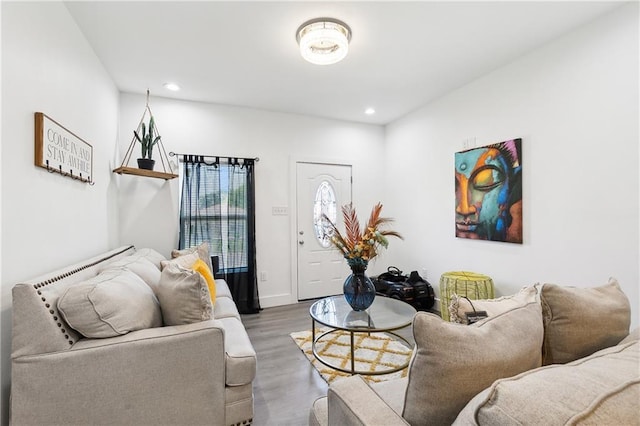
<point>203,269</point>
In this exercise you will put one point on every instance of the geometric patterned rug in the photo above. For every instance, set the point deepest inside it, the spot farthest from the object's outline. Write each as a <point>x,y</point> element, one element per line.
<point>372,353</point>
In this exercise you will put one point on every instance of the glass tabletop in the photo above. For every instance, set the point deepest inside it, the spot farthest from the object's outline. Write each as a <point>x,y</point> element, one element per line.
<point>383,315</point>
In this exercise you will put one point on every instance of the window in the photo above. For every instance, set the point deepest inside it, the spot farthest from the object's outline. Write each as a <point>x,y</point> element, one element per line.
<point>324,203</point>
<point>217,213</point>
<point>218,206</point>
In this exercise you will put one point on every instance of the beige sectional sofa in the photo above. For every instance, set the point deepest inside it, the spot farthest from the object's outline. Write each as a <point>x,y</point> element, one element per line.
<point>135,369</point>
<point>565,357</point>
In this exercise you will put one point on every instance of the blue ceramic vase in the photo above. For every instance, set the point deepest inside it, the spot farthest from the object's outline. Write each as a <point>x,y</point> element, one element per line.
<point>358,288</point>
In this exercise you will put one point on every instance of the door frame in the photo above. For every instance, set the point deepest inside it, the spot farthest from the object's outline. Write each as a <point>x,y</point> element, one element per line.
<point>293,216</point>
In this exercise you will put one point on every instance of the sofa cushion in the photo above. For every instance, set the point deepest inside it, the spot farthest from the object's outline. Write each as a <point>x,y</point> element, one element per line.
<point>139,265</point>
<point>201,250</point>
<point>240,363</point>
<point>452,362</point>
<point>151,255</point>
<point>225,307</point>
<point>110,304</point>
<point>460,305</point>
<point>632,337</point>
<point>392,392</point>
<point>603,388</point>
<point>581,321</point>
<point>222,289</point>
<point>184,296</point>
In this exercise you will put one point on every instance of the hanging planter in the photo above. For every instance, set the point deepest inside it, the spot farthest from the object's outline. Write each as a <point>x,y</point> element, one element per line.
<point>148,137</point>
<point>147,141</point>
<point>146,163</point>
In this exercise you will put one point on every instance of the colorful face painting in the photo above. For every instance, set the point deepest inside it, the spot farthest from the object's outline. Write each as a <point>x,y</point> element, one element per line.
<point>489,192</point>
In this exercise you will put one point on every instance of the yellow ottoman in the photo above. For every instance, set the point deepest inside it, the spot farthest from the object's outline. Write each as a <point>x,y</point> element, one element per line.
<point>463,283</point>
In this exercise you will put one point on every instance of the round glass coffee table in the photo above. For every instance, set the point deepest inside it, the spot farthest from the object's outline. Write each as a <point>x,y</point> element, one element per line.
<point>384,315</point>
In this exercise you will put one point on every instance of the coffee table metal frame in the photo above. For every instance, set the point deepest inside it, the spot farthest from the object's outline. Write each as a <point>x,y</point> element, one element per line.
<point>352,330</point>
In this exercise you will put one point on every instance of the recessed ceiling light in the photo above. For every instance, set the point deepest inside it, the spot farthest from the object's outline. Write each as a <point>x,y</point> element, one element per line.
<point>172,86</point>
<point>369,111</point>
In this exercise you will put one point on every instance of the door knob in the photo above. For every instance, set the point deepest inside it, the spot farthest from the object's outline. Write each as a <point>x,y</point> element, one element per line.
<point>301,242</point>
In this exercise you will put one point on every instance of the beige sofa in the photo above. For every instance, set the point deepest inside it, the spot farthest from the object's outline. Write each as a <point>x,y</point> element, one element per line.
<point>188,374</point>
<point>564,358</point>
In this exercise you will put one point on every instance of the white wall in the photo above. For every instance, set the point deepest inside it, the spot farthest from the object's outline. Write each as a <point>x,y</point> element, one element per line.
<point>149,208</point>
<point>49,221</point>
<point>574,103</point>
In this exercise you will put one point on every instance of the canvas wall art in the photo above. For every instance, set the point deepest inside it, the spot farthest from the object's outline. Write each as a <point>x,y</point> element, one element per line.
<point>489,192</point>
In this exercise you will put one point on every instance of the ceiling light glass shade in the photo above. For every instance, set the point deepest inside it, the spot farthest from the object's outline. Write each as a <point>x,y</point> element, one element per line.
<point>324,41</point>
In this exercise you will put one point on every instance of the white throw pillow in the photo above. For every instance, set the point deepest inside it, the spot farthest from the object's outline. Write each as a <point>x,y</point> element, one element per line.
<point>460,306</point>
<point>110,304</point>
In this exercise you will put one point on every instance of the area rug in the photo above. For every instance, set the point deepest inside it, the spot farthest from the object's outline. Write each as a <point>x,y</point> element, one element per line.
<point>373,352</point>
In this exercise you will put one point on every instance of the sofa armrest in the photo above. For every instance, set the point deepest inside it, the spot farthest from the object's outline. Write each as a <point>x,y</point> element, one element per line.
<point>166,375</point>
<point>352,402</point>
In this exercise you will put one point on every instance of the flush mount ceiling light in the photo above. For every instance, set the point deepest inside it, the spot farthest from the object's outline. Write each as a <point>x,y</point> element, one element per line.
<point>323,41</point>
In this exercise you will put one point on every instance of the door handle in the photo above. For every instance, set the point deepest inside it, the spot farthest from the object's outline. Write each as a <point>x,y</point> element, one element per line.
<point>301,242</point>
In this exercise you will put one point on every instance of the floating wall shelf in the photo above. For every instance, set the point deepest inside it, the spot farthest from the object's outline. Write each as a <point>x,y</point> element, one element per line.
<point>124,169</point>
<point>142,172</point>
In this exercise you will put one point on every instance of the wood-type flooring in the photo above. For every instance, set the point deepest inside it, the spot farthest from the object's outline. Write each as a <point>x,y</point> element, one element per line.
<point>286,383</point>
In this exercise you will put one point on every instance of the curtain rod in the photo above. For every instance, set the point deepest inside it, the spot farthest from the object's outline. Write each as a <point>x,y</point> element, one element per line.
<point>172,154</point>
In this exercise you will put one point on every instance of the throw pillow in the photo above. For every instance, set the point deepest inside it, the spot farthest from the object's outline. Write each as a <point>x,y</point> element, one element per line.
<point>460,305</point>
<point>185,261</point>
<point>204,270</point>
<point>581,321</point>
<point>452,363</point>
<point>184,296</point>
<point>110,304</point>
<point>202,250</point>
<point>151,255</point>
<point>140,266</point>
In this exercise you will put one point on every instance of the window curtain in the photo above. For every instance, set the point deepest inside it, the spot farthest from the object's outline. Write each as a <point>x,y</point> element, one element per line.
<point>218,206</point>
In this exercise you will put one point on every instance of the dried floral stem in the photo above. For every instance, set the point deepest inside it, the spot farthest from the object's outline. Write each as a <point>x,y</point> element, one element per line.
<point>361,244</point>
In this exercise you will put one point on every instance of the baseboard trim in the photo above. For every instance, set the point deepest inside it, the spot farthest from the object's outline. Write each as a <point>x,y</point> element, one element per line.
<point>276,300</point>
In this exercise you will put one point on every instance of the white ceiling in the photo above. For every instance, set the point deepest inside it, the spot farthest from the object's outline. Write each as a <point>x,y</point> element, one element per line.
<point>402,54</point>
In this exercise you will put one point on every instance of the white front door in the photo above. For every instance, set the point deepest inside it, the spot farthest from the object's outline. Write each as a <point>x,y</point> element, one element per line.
<point>320,188</point>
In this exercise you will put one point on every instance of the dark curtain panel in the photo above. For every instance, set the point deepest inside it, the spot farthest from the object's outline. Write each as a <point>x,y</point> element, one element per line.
<point>218,206</point>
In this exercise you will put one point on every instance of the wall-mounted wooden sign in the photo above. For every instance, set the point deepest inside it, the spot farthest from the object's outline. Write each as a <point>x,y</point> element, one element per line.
<point>59,150</point>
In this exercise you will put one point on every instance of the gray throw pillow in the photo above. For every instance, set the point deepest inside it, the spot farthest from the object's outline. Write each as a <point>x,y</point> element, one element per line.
<point>453,362</point>
<point>184,296</point>
<point>112,303</point>
<point>581,321</point>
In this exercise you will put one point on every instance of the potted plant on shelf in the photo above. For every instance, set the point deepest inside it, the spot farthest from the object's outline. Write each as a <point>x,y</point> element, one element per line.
<point>148,140</point>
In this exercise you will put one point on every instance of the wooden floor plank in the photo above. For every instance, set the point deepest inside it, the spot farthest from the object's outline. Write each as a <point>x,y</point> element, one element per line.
<point>286,383</point>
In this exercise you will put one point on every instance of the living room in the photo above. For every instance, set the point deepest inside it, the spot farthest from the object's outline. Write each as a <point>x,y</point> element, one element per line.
<point>573,101</point>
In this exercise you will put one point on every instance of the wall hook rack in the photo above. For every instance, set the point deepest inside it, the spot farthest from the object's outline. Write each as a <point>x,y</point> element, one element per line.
<point>59,150</point>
